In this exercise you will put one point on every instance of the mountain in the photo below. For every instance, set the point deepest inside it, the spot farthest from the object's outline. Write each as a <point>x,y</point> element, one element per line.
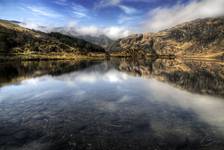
<point>15,21</point>
<point>101,40</point>
<point>15,39</point>
<point>198,38</point>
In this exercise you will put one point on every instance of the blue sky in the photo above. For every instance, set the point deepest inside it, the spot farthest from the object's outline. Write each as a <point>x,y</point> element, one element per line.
<point>86,12</point>
<point>122,17</point>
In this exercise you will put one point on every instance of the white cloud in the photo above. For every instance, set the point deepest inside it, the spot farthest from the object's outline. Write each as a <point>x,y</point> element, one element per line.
<point>123,19</point>
<point>106,3</point>
<point>73,28</point>
<point>61,2</point>
<point>116,3</point>
<point>90,30</point>
<point>145,1</point>
<point>44,11</point>
<point>30,25</point>
<point>79,14</point>
<point>165,17</point>
<point>34,26</point>
<point>113,32</point>
<point>116,32</point>
<point>130,21</point>
<point>128,10</point>
<point>79,11</point>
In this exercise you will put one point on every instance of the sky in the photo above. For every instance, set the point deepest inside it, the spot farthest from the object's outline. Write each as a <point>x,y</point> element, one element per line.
<point>114,18</point>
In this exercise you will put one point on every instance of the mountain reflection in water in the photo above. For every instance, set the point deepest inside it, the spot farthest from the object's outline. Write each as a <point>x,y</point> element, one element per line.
<point>117,104</point>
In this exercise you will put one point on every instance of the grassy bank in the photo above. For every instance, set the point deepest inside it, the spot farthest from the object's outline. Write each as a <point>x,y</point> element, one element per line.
<point>51,56</point>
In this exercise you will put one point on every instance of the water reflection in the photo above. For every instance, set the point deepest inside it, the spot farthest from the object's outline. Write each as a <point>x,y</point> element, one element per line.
<point>204,77</point>
<point>114,105</point>
<point>14,71</point>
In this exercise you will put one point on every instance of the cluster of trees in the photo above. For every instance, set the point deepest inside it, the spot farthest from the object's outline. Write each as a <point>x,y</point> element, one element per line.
<point>7,41</point>
<point>83,45</point>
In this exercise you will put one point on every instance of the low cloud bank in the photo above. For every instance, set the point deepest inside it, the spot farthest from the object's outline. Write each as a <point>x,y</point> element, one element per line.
<point>165,17</point>
<point>113,32</point>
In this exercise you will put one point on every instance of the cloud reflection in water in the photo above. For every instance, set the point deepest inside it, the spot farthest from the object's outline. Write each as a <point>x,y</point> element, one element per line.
<point>150,103</point>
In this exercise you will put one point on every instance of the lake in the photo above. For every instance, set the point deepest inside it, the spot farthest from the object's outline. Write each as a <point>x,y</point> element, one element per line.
<point>118,104</point>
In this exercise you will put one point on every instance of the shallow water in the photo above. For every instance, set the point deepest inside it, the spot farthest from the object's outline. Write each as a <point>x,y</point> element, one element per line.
<point>112,105</point>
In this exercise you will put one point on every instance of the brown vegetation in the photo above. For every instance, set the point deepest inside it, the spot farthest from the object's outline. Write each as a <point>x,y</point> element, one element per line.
<point>199,38</point>
<point>18,41</point>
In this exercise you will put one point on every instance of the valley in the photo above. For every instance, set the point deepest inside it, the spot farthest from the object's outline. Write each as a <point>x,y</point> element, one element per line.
<point>202,38</point>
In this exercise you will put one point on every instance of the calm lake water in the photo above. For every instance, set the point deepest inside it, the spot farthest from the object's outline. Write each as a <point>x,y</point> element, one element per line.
<point>112,105</point>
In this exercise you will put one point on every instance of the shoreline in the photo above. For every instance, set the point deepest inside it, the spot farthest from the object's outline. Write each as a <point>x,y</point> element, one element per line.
<point>55,56</point>
<point>94,56</point>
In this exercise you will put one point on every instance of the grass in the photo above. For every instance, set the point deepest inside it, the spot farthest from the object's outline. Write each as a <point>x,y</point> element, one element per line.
<point>207,56</point>
<point>52,56</point>
<point>95,56</point>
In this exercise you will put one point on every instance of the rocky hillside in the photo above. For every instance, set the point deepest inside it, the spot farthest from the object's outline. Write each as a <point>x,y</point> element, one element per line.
<point>15,39</point>
<point>198,38</point>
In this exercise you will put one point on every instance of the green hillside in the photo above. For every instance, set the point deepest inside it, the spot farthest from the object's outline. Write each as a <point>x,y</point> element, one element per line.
<point>16,40</point>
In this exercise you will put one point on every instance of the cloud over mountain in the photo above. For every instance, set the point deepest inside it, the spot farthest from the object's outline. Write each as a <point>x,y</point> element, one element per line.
<point>115,18</point>
<point>113,32</point>
<point>165,17</point>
